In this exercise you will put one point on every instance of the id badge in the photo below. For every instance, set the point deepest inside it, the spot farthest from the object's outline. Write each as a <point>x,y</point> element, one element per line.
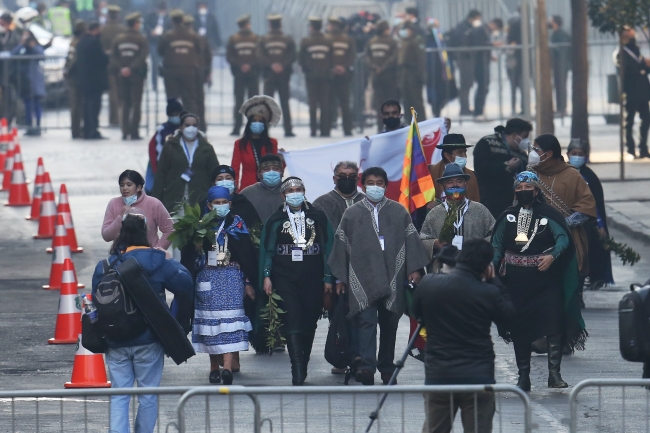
<point>381,242</point>
<point>296,254</point>
<point>212,258</point>
<point>457,242</point>
<point>187,174</point>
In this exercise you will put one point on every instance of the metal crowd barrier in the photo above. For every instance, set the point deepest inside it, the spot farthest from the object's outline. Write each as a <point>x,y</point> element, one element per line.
<point>630,412</point>
<point>252,409</point>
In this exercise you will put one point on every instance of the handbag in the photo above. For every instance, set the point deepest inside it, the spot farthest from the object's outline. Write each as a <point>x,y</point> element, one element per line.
<point>91,337</point>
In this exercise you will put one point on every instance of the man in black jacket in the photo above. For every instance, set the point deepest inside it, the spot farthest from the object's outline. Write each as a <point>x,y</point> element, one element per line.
<point>458,309</point>
<point>205,24</point>
<point>92,67</point>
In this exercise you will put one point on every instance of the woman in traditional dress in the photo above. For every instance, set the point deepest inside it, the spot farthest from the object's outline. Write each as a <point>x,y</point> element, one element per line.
<point>535,255</point>
<point>294,249</point>
<point>227,271</point>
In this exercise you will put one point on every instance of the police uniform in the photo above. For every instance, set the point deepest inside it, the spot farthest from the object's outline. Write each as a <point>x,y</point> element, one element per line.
<point>411,62</point>
<point>637,95</point>
<point>277,47</point>
<point>242,50</point>
<point>344,52</point>
<point>109,32</point>
<point>180,50</point>
<point>130,50</point>
<point>75,97</point>
<point>205,71</point>
<point>316,62</point>
<point>381,58</point>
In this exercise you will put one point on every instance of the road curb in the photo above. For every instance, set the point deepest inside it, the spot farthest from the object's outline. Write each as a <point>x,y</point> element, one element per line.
<point>627,225</point>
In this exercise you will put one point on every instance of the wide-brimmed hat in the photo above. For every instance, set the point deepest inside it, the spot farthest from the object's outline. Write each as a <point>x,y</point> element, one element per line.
<point>452,170</point>
<point>454,141</point>
<point>264,106</point>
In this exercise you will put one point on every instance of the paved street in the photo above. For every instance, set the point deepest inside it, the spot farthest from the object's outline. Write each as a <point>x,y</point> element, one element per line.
<point>90,171</point>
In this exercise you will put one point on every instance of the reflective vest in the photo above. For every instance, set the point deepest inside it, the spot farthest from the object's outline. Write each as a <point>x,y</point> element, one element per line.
<point>85,5</point>
<point>60,19</point>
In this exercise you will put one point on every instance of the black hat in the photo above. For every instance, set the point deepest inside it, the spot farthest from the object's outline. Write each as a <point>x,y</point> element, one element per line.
<point>223,169</point>
<point>448,255</point>
<point>174,106</point>
<point>452,170</point>
<point>454,141</point>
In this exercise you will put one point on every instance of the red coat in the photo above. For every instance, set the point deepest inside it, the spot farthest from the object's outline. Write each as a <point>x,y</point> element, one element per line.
<point>244,163</point>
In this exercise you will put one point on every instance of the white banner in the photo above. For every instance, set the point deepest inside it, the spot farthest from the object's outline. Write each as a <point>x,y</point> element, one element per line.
<point>315,166</point>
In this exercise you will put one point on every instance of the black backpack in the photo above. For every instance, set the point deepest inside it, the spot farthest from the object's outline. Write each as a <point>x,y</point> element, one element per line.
<point>118,318</point>
<point>634,324</point>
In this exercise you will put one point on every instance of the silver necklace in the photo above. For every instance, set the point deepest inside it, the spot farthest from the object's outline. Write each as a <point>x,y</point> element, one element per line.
<point>297,224</point>
<point>523,224</point>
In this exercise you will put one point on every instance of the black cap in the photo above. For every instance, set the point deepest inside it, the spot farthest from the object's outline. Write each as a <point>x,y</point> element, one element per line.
<point>223,169</point>
<point>174,106</point>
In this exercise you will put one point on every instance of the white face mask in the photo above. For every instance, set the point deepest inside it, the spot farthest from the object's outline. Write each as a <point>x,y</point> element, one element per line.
<point>460,161</point>
<point>476,23</point>
<point>190,132</point>
<point>524,144</point>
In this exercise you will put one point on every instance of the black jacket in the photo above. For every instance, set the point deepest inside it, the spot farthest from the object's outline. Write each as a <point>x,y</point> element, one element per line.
<point>458,310</point>
<point>91,65</point>
<point>635,74</point>
<point>211,28</point>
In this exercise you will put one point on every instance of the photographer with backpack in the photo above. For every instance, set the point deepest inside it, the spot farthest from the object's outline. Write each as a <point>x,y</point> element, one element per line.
<point>133,351</point>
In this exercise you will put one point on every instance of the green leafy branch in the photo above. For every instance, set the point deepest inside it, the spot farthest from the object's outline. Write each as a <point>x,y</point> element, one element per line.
<point>271,315</point>
<point>447,230</point>
<point>622,251</point>
<point>191,227</point>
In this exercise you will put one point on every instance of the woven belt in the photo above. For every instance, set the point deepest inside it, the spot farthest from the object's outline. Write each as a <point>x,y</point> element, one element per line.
<point>519,260</point>
<point>285,250</point>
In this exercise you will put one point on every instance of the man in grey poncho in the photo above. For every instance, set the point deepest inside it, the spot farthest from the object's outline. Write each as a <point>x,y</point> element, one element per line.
<point>265,194</point>
<point>376,252</point>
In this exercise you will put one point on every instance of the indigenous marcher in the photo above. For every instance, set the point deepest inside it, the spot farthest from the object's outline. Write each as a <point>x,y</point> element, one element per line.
<point>225,176</point>
<point>600,259</point>
<point>185,165</point>
<point>535,255</point>
<point>135,200</point>
<point>294,249</point>
<point>454,150</point>
<point>265,194</point>
<point>141,358</point>
<point>173,110</point>
<point>457,310</point>
<point>261,113</point>
<point>459,218</point>
<point>227,271</point>
<point>498,158</point>
<point>376,252</point>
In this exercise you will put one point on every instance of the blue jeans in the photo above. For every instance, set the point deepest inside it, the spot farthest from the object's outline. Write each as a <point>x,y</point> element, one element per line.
<point>126,365</point>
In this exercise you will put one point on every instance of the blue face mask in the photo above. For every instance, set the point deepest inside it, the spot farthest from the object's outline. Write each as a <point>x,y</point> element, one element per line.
<point>577,161</point>
<point>222,209</point>
<point>460,161</point>
<point>403,33</point>
<point>375,193</point>
<point>174,120</point>
<point>295,199</point>
<point>130,200</point>
<point>257,127</point>
<point>271,178</point>
<point>230,184</point>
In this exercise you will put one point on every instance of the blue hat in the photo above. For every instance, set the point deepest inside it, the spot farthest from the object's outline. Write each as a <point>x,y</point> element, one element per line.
<point>453,170</point>
<point>218,192</point>
<point>526,177</point>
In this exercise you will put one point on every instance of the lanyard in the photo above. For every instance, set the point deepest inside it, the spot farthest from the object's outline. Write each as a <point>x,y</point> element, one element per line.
<point>459,221</point>
<point>297,225</point>
<point>190,156</point>
<point>631,53</point>
<point>216,236</point>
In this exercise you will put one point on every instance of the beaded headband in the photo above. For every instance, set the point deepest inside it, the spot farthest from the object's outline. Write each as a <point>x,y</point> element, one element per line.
<point>291,182</point>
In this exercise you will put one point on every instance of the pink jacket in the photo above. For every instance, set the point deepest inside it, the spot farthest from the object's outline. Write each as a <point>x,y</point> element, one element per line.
<point>152,208</point>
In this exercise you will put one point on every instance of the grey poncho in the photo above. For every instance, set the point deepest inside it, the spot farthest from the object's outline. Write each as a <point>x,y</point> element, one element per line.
<point>358,260</point>
<point>266,200</point>
<point>333,204</point>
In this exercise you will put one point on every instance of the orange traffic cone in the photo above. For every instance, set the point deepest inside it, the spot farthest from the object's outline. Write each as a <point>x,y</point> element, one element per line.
<point>61,249</point>
<point>64,209</point>
<point>48,210</point>
<point>18,192</point>
<point>68,320</point>
<point>8,167</point>
<point>88,370</point>
<point>5,139</point>
<point>38,191</point>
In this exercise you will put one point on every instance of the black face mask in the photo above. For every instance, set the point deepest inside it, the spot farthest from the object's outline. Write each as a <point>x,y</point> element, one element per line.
<point>392,122</point>
<point>346,185</point>
<point>525,197</point>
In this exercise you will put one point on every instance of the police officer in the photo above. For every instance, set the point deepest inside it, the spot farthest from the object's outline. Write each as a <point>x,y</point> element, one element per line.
<point>344,53</point>
<point>129,66</point>
<point>316,62</point>
<point>411,62</point>
<point>381,58</point>
<point>109,32</point>
<point>277,52</point>
<point>75,98</point>
<point>61,19</point>
<point>180,50</point>
<point>241,53</point>
<point>205,70</point>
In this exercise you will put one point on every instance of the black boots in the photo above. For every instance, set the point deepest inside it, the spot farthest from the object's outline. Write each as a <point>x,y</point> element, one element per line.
<point>297,356</point>
<point>522,355</point>
<point>308,342</point>
<point>554,361</point>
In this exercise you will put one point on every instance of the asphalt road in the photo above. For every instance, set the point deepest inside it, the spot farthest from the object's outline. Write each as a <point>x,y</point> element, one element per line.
<point>28,314</point>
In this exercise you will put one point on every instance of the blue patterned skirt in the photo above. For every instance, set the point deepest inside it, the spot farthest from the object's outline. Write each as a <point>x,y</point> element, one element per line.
<point>220,325</point>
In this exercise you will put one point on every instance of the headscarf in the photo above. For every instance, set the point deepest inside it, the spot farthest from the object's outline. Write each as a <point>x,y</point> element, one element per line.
<point>526,177</point>
<point>223,169</point>
<point>291,182</point>
<point>237,226</point>
<point>218,192</point>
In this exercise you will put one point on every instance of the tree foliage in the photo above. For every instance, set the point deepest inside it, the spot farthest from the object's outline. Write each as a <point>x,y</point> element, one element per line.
<point>609,16</point>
